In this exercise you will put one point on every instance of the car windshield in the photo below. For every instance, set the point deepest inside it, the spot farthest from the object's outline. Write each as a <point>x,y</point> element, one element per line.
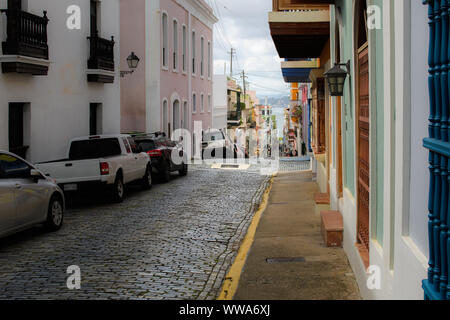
<point>147,145</point>
<point>213,136</point>
<point>93,149</point>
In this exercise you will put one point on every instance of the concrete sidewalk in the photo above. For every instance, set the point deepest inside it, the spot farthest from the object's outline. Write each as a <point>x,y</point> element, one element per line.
<point>289,228</point>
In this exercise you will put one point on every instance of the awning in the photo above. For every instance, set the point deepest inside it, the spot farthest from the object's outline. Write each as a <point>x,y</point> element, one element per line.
<point>300,34</point>
<point>298,70</point>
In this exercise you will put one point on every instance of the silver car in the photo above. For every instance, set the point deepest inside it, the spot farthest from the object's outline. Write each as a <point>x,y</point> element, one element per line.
<point>27,197</point>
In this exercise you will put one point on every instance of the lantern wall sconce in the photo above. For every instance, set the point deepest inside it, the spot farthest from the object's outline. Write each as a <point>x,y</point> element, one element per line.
<point>133,62</point>
<point>336,78</point>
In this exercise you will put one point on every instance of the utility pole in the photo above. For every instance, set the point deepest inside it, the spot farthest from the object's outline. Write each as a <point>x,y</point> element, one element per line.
<point>232,52</point>
<point>243,82</point>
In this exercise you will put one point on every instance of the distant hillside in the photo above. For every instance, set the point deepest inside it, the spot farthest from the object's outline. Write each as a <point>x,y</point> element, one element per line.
<point>276,101</point>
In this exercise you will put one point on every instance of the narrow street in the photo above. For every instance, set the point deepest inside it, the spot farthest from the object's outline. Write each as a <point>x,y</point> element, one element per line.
<point>175,241</point>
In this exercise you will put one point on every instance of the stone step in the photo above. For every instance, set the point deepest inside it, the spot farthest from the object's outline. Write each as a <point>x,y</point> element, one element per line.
<point>321,202</point>
<point>332,227</point>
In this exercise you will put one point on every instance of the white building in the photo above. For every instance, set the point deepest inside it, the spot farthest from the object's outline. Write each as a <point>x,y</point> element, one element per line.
<point>220,102</point>
<point>48,92</point>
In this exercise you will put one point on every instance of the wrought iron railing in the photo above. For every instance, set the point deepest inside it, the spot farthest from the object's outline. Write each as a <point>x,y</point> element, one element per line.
<point>101,53</point>
<point>234,116</point>
<point>437,286</point>
<point>26,34</point>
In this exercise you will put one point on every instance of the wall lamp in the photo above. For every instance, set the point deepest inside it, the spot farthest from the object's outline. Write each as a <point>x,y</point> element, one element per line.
<point>336,78</point>
<point>133,62</point>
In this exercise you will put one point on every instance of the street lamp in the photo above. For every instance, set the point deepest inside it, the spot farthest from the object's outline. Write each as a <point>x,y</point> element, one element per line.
<point>133,62</point>
<point>336,78</point>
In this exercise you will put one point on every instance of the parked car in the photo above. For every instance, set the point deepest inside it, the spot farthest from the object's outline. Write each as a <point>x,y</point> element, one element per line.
<point>161,150</point>
<point>27,197</point>
<point>106,161</point>
<point>215,142</point>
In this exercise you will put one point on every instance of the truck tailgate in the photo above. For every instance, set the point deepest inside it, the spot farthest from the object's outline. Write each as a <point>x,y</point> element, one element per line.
<point>72,171</point>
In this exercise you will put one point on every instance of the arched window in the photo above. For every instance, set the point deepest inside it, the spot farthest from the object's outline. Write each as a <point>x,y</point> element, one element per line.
<point>194,103</point>
<point>184,48</point>
<point>165,40</point>
<point>202,103</point>
<point>176,115</point>
<point>175,44</point>
<point>193,52</point>
<point>209,59</point>
<point>202,55</point>
<point>185,115</point>
<point>165,117</point>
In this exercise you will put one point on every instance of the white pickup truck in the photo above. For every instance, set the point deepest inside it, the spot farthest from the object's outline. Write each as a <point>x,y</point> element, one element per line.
<point>109,161</point>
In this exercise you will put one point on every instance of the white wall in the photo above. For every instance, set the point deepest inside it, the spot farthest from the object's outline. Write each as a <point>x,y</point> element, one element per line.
<point>220,101</point>
<point>59,102</point>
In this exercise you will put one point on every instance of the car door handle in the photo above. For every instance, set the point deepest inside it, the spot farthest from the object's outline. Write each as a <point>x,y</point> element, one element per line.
<point>18,186</point>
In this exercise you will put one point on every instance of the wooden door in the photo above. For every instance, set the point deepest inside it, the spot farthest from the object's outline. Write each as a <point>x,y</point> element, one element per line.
<point>339,155</point>
<point>363,147</point>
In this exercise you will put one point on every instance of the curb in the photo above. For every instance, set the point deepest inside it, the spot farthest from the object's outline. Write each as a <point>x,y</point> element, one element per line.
<point>231,281</point>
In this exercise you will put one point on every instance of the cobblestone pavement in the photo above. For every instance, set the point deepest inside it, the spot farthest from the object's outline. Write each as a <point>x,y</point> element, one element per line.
<point>175,241</point>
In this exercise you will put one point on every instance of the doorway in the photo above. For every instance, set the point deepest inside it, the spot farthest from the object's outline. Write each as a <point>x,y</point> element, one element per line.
<point>363,129</point>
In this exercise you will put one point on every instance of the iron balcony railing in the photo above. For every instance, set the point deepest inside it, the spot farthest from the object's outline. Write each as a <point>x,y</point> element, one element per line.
<point>437,286</point>
<point>234,116</point>
<point>101,53</point>
<point>26,34</point>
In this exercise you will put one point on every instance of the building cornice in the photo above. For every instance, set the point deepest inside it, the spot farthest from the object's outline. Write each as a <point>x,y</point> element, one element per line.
<point>201,10</point>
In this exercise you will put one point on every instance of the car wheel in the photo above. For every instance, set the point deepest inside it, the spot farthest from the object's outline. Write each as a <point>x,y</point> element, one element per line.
<point>118,190</point>
<point>165,174</point>
<point>183,172</point>
<point>55,215</point>
<point>147,181</point>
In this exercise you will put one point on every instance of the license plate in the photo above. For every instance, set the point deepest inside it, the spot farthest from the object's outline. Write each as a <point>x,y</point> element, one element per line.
<point>70,187</point>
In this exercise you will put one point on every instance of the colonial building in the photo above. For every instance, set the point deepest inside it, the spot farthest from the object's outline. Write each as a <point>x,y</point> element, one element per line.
<point>56,82</point>
<point>173,87</point>
<point>367,134</point>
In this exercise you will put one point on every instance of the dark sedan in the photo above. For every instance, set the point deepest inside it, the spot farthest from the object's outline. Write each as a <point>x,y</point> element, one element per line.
<point>161,150</point>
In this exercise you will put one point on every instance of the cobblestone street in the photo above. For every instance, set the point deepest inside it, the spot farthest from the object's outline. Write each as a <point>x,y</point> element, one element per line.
<point>175,241</point>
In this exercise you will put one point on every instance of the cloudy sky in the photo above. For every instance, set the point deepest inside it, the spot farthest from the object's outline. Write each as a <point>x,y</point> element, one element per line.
<point>244,26</point>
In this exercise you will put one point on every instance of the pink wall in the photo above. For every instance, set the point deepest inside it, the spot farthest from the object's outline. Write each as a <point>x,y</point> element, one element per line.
<point>202,84</point>
<point>132,38</point>
<point>176,83</point>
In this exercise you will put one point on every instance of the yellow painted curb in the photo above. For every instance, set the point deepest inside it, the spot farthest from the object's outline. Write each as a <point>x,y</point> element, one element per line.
<point>232,279</point>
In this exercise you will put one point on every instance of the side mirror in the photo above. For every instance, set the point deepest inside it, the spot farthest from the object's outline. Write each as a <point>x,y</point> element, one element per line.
<point>36,175</point>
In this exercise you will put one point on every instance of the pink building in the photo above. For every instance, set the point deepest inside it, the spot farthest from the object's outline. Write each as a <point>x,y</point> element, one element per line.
<point>172,86</point>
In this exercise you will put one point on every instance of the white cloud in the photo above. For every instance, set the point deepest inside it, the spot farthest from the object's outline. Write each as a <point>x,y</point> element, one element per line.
<point>244,25</point>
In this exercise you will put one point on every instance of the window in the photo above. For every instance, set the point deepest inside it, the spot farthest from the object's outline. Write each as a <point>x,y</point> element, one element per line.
<point>194,103</point>
<point>202,55</point>
<point>184,48</point>
<point>18,124</point>
<point>193,52</point>
<point>209,59</point>
<point>175,44</point>
<point>134,147</point>
<point>165,117</point>
<point>95,119</point>
<point>202,103</point>
<point>165,42</point>
<point>209,103</point>
<point>11,167</point>
<point>185,115</point>
<point>95,148</point>
<point>94,17</point>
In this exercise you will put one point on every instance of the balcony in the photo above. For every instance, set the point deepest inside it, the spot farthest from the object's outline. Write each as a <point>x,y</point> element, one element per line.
<point>301,32</point>
<point>101,60</point>
<point>234,117</point>
<point>290,5</point>
<point>25,50</point>
<point>298,70</point>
